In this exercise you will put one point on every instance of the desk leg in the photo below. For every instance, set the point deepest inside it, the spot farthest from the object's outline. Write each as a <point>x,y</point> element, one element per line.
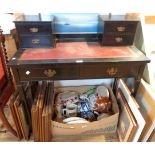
<point>115,85</point>
<point>138,80</point>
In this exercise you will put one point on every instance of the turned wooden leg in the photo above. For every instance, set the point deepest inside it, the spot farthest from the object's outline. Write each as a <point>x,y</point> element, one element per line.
<point>6,123</point>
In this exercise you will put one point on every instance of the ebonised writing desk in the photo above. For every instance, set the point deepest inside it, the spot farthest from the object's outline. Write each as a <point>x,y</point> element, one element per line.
<point>42,57</point>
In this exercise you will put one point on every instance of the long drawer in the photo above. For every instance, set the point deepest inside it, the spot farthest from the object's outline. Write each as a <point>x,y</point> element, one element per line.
<point>49,72</point>
<point>109,70</point>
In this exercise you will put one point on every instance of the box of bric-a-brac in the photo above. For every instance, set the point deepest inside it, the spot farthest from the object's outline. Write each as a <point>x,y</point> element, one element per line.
<point>84,111</point>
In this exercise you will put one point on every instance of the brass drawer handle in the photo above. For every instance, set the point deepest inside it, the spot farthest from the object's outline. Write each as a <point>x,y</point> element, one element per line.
<point>33,29</point>
<point>112,71</point>
<point>119,39</point>
<point>50,72</point>
<point>35,41</point>
<point>121,28</point>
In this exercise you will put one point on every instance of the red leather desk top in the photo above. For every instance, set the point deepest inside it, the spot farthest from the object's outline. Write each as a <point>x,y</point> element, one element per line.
<point>77,50</point>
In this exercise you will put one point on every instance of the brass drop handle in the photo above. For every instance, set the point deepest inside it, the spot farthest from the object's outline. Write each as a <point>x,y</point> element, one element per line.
<point>49,72</point>
<point>35,41</point>
<point>112,71</point>
<point>33,29</point>
<point>121,28</point>
<point>118,39</point>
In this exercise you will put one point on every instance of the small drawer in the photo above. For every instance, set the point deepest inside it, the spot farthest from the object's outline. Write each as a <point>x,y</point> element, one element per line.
<point>49,73</point>
<point>35,41</point>
<point>115,40</point>
<point>34,27</point>
<point>120,27</point>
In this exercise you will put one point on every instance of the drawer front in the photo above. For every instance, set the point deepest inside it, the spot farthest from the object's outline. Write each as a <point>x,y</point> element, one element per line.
<point>118,39</point>
<point>109,70</point>
<point>120,27</point>
<point>34,27</point>
<point>35,41</point>
<point>49,73</point>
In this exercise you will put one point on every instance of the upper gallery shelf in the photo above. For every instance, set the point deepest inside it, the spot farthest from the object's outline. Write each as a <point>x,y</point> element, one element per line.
<point>41,31</point>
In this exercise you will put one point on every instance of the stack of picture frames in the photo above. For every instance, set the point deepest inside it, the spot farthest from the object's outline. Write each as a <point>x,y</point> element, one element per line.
<point>41,112</point>
<point>131,122</point>
<point>19,113</point>
<point>18,116</point>
<point>127,123</point>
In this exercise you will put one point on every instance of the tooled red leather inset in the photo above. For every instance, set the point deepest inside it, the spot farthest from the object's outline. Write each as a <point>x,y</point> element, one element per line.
<point>77,50</point>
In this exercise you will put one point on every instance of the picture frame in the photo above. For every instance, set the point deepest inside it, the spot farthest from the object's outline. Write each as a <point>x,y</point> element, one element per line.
<point>127,124</point>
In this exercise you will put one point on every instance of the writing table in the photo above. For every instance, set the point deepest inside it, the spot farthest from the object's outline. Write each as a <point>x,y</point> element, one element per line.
<point>76,60</point>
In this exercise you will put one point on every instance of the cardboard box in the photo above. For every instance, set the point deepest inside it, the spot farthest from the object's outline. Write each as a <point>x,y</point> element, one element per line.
<point>106,126</point>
